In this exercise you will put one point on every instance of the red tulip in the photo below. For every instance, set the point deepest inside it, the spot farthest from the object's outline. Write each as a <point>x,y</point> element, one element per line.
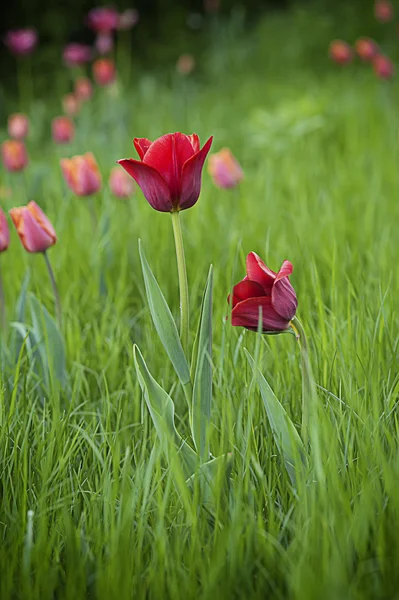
<point>383,67</point>
<point>366,49</point>
<point>104,71</point>
<point>169,170</point>
<point>128,19</point>
<point>83,88</point>
<point>4,232</point>
<point>21,41</point>
<point>71,104</point>
<point>33,227</point>
<point>103,18</point>
<point>14,155</point>
<point>225,169</point>
<point>383,11</point>
<point>82,174</point>
<point>76,55</point>
<point>340,52</point>
<point>120,184</point>
<point>104,43</point>
<point>18,126</point>
<point>62,130</point>
<point>264,289</point>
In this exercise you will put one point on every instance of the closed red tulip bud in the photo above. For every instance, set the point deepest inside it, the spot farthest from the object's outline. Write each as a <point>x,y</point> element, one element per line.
<point>18,126</point>
<point>264,289</point>
<point>33,227</point>
<point>70,105</point>
<point>128,19</point>
<point>169,170</point>
<point>383,11</point>
<point>4,232</point>
<point>225,169</point>
<point>340,52</point>
<point>103,19</point>
<point>383,67</point>
<point>14,155</point>
<point>366,49</point>
<point>185,64</point>
<point>120,183</point>
<point>62,130</point>
<point>83,89</point>
<point>82,174</point>
<point>76,55</point>
<point>21,42</point>
<point>104,71</point>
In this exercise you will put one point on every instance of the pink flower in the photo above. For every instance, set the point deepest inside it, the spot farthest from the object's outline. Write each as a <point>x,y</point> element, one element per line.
<point>18,126</point>
<point>104,43</point>
<point>14,155</point>
<point>4,232</point>
<point>263,290</point>
<point>82,174</point>
<point>70,104</point>
<point>103,18</point>
<point>383,67</point>
<point>225,169</point>
<point>33,227</point>
<point>104,71</point>
<point>76,55</point>
<point>21,41</point>
<point>128,19</point>
<point>383,11</point>
<point>83,89</point>
<point>185,64</point>
<point>340,52</point>
<point>62,130</point>
<point>366,49</point>
<point>120,183</point>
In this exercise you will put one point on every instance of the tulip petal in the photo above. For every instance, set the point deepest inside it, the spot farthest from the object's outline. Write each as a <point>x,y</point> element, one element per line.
<point>141,145</point>
<point>259,272</point>
<point>152,184</point>
<point>246,289</point>
<point>42,219</point>
<point>284,298</point>
<point>246,314</point>
<point>195,142</point>
<point>191,176</point>
<point>33,237</point>
<point>167,155</point>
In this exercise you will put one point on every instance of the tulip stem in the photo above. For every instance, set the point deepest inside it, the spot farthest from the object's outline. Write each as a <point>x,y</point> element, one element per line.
<point>3,318</point>
<point>183,283</point>
<point>308,385</point>
<point>55,289</point>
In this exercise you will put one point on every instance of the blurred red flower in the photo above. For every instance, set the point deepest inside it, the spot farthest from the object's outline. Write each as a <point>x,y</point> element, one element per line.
<point>82,174</point>
<point>340,52</point>
<point>104,72</point>
<point>169,170</point>
<point>366,49</point>
<point>83,88</point>
<point>103,18</point>
<point>18,126</point>
<point>383,11</point>
<point>76,55</point>
<point>224,168</point>
<point>62,130</point>
<point>14,155</point>
<point>383,67</point>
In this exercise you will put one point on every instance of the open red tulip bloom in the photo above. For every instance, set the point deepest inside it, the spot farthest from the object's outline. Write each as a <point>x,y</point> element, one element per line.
<point>169,170</point>
<point>265,289</point>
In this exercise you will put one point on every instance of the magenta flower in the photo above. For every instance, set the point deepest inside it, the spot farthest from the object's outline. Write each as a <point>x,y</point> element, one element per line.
<point>75,54</point>
<point>103,19</point>
<point>21,42</point>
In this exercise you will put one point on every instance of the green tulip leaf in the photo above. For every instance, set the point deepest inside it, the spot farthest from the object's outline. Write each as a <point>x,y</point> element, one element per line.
<point>164,322</point>
<point>212,478</point>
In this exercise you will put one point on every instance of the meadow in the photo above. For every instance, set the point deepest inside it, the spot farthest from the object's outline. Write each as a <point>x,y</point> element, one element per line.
<point>89,506</point>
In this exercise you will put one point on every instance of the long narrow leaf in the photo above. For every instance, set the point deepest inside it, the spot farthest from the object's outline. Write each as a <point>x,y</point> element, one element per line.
<point>164,322</point>
<point>202,389</point>
<point>213,479</point>
<point>162,411</point>
<point>285,435</point>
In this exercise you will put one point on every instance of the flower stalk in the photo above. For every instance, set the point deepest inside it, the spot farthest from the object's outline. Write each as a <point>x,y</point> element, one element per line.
<point>183,282</point>
<point>55,289</point>
<point>308,390</point>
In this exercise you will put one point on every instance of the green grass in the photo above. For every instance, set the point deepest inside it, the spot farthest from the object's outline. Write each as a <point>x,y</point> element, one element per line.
<point>319,149</point>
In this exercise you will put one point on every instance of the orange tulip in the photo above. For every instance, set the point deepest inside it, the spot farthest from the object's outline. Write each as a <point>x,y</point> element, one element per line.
<point>83,88</point>
<point>104,71</point>
<point>33,227</point>
<point>340,52</point>
<point>82,174</point>
<point>225,169</point>
<point>4,232</point>
<point>14,155</point>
